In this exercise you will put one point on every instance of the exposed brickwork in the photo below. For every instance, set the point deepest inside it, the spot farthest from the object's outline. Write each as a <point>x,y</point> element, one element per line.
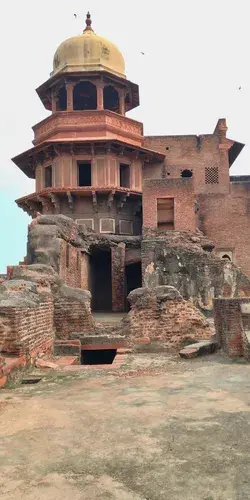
<point>85,272</point>
<point>226,220</point>
<point>229,326</point>
<point>27,329</point>
<point>70,265</point>
<point>194,153</point>
<point>118,277</point>
<point>72,314</point>
<point>184,202</point>
<point>160,318</point>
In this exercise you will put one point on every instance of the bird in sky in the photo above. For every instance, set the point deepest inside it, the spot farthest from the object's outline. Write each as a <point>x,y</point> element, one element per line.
<point>75,16</point>
<point>239,88</point>
<point>143,53</point>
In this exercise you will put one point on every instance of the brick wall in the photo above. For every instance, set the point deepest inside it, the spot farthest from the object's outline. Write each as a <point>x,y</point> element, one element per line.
<point>229,326</point>
<point>160,317</point>
<point>72,313</point>
<point>226,220</point>
<point>183,193</point>
<point>70,265</point>
<point>27,330</point>
<point>195,153</point>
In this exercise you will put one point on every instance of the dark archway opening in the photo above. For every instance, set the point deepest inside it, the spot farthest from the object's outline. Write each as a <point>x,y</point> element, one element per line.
<point>85,96</point>
<point>98,357</point>
<point>133,279</point>
<point>226,257</point>
<point>101,282</point>
<point>111,98</point>
<point>61,103</point>
<point>186,173</point>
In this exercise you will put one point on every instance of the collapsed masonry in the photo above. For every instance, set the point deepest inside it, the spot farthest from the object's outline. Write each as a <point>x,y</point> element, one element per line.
<point>49,297</point>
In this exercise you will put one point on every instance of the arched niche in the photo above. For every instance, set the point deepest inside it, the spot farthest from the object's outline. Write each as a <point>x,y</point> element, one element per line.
<point>111,98</point>
<point>84,96</point>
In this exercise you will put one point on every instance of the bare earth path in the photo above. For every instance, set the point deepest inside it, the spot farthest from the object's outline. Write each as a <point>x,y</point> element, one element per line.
<point>176,430</point>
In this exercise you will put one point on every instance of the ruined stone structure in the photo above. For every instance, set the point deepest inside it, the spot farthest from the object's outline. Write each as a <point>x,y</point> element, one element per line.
<point>92,163</point>
<point>122,222</point>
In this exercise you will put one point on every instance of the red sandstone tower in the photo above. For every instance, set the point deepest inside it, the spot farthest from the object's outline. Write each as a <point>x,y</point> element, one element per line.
<point>88,156</point>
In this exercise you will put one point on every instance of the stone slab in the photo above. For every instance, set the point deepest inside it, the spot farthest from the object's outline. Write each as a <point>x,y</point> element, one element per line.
<point>199,349</point>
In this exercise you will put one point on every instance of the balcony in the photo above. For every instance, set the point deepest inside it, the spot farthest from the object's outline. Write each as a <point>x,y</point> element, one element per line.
<point>88,125</point>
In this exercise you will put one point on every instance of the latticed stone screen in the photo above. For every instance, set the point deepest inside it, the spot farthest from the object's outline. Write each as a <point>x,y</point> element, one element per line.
<point>211,175</point>
<point>89,223</point>
<point>126,227</point>
<point>107,225</point>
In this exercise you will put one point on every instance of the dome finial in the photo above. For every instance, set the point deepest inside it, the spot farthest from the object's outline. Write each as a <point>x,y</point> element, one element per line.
<point>88,22</point>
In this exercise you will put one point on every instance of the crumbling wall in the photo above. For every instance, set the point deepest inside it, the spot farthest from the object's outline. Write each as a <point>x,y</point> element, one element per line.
<point>184,260</point>
<point>160,318</point>
<point>72,313</point>
<point>26,318</point>
<point>232,324</point>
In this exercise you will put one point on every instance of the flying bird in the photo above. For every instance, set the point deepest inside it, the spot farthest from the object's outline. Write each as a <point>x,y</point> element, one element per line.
<point>143,53</point>
<point>75,16</point>
<point>239,88</point>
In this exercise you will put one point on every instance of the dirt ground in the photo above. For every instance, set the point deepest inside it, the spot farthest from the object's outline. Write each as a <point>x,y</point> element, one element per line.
<point>160,428</point>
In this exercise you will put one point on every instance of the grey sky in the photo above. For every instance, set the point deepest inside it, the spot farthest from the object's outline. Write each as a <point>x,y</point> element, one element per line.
<point>197,55</point>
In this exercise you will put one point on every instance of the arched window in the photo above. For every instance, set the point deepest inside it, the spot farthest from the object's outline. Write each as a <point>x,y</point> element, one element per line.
<point>226,257</point>
<point>186,173</point>
<point>61,102</point>
<point>84,96</point>
<point>111,99</point>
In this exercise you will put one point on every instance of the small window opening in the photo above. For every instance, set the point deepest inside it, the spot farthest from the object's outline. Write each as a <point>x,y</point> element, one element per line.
<point>186,173</point>
<point>84,174</point>
<point>165,214</point>
<point>124,175</point>
<point>226,257</point>
<point>84,96</point>
<point>61,104</point>
<point>48,176</point>
<point>111,98</point>
<point>98,357</point>
<point>31,380</point>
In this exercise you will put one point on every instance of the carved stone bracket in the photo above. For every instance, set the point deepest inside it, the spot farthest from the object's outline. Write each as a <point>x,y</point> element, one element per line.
<point>95,204</point>
<point>56,148</point>
<point>111,199</point>
<point>55,202</point>
<point>45,203</point>
<point>121,152</point>
<point>70,200</point>
<point>123,200</point>
<point>138,207</point>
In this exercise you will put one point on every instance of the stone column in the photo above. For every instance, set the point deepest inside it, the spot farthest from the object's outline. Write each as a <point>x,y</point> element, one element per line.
<point>118,277</point>
<point>53,101</point>
<point>99,88</point>
<point>69,88</point>
<point>122,102</point>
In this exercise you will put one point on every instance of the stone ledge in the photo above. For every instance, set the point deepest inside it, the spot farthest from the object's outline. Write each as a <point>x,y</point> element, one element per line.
<point>199,349</point>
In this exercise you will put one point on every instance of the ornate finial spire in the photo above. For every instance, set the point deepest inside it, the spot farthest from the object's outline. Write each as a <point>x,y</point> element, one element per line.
<point>88,23</point>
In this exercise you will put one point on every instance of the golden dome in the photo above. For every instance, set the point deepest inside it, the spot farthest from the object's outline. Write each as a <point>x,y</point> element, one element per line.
<point>88,52</point>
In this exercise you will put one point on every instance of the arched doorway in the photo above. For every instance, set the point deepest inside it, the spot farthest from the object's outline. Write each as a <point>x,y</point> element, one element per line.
<point>101,282</point>
<point>133,275</point>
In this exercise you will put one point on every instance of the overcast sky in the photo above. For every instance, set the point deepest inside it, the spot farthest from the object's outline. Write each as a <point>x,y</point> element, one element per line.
<point>197,56</point>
